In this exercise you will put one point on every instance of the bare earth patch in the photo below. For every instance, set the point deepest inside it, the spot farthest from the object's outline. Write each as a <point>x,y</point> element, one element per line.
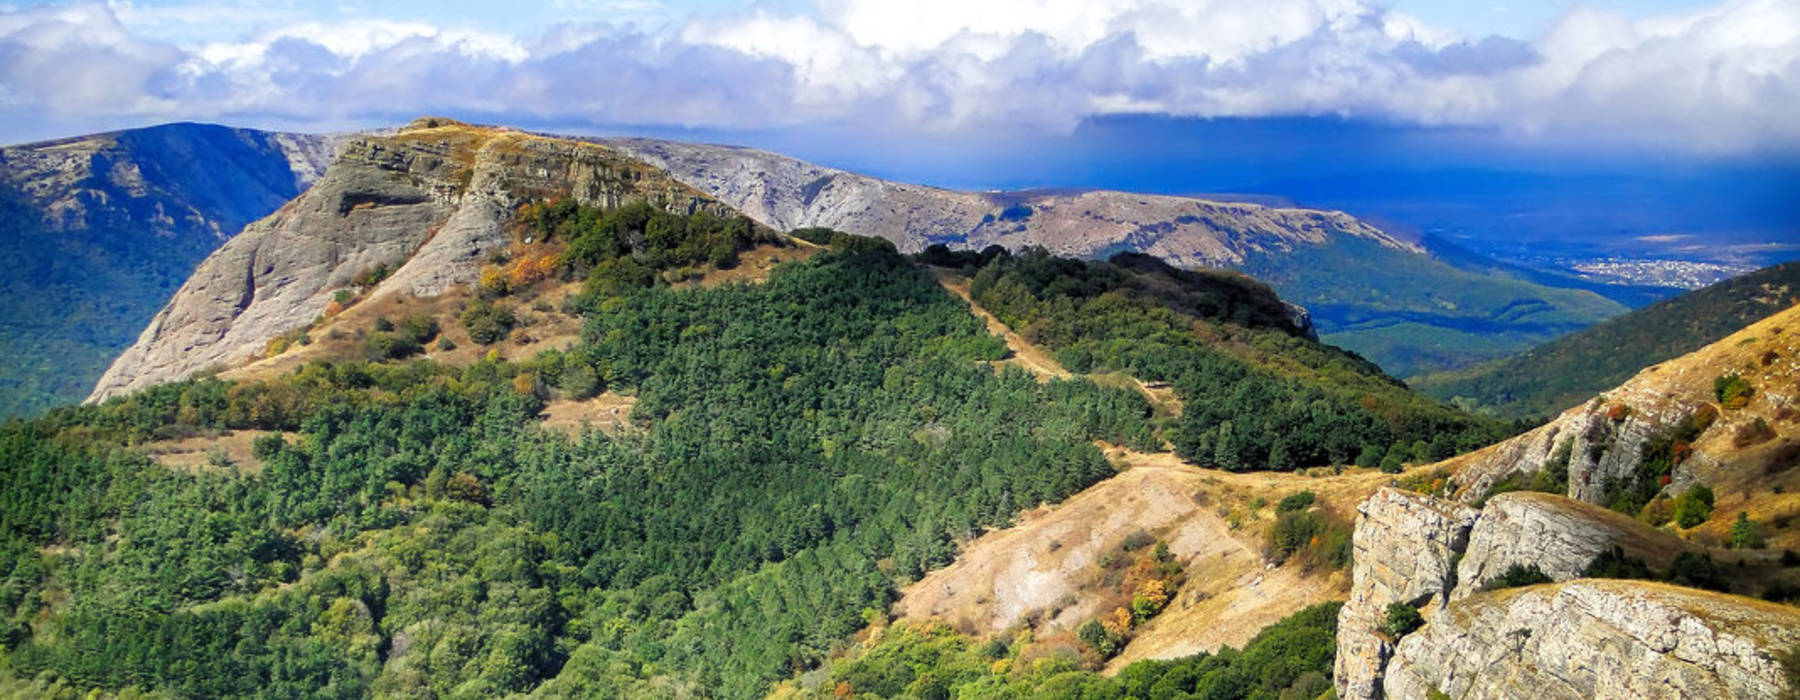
<point>1045,571</point>
<point>197,454</point>
<point>608,413</point>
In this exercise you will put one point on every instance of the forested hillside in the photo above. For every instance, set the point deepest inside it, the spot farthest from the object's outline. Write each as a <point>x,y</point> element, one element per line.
<point>798,449</point>
<point>1568,370</point>
<point>1257,393</point>
<point>805,444</point>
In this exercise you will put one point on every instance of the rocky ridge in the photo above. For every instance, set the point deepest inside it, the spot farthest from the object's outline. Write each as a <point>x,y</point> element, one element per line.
<point>787,193</point>
<point>1598,639</point>
<point>428,201</point>
<point>1436,555</point>
<point>1745,449</point>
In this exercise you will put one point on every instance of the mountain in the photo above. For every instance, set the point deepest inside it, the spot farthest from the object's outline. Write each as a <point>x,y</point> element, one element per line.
<point>100,230</point>
<point>1383,297</point>
<point>425,204</point>
<point>484,412</point>
<point>1558,374</point>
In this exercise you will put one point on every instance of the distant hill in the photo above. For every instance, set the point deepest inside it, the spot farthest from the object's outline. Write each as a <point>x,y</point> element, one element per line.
<point>1570,369</point>
<point>1386,298</point>
<point>96,232</point>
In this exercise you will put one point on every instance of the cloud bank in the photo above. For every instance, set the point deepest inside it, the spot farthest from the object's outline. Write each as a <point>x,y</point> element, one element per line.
<point>1722,80</point>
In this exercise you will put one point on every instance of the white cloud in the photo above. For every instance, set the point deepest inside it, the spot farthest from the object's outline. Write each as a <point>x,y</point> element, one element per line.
<point>1723,79</point>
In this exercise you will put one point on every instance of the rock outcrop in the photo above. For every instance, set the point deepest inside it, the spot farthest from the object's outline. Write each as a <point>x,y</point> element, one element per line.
<point>1598,639</point>
<point>1406,546</point>
<point>100,230</point>
<point>1557,535</point>
<point>430,200</point>
<point>1436,555</point>
<point>1740,444</point>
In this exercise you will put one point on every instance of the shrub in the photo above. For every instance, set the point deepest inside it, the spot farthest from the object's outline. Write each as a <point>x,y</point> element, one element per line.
<point>383,324</point>
<point>1658,512</point>
<point>1369,457</point>
<point>1296,501</point>
<point>419,328</point>
<point>1401,620</point>
<point>486,322</point>
<point>1097,638</point>
<point>444,344</point>
<point>389,346</point>
<point>1693,506</point>
<point>1745,533</point>
<point>1732,391</point>
<point>579,382</point>
<point>1614,563</point>
<point>1136,541</point>
<point>1696,570</point>
<point>1517,575</point>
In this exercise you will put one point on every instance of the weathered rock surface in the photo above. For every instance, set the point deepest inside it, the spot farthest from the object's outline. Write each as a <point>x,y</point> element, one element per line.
<point>430,199</point>
<point>1605,437</point>
<point>786,193</point>
<point>1557,535</point>
<point>1405,549</point>
<point>1598,639</point>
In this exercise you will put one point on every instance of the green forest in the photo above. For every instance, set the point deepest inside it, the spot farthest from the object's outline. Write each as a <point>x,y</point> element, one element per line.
<point>804,446</point>
<point>1257,393</point>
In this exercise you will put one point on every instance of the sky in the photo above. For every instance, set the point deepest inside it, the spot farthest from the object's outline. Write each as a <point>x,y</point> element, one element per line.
<point>1720,77</point>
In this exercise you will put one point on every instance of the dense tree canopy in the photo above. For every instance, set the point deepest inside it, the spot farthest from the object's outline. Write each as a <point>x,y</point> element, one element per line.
<point>802,447</point>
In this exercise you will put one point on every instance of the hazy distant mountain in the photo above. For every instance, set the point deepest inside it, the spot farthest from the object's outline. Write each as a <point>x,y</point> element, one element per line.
<point>1562,373</point>
<point>96,232</point>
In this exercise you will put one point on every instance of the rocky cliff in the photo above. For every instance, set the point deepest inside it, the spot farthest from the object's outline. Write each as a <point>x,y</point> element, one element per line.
<point>1584,639</point>
<point>102,229</point>
<point>1741,440</point>
<point>1598,639</point>
<point>428,200</point>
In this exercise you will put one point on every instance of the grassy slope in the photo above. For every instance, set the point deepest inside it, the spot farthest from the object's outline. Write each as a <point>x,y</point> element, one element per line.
<point>1412,314</point>
<point>1568,370</point>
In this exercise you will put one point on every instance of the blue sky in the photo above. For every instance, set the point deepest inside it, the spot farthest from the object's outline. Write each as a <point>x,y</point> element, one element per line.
<point>1715,78</point>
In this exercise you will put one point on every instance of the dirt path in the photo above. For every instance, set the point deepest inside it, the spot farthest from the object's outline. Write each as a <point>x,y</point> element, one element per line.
<point>1025,355</point>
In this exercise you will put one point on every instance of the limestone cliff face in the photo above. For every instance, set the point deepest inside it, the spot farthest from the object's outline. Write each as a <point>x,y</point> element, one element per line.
<point>1598,639</point>
<point>1604,438</point>
<point>1583,639</point>
<point>1405,550</point>
<point>430,199</point>
<point>786,193</point>
<point>1557,535</point>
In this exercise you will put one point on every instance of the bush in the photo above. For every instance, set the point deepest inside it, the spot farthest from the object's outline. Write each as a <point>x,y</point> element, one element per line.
<point>486,322</point>
<point>1517,575</point>
<point>1614,563</point>
<point>1693,506</point>
<point>1696,570</point>
<point>1296,501</point>
<point>1136,541</point>
<point>1401,620</point>
<point>579,382</point>
<point>381,345</point>
<point>419,328</point>
<point>1732,391</point>
<point>1746,534</point>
